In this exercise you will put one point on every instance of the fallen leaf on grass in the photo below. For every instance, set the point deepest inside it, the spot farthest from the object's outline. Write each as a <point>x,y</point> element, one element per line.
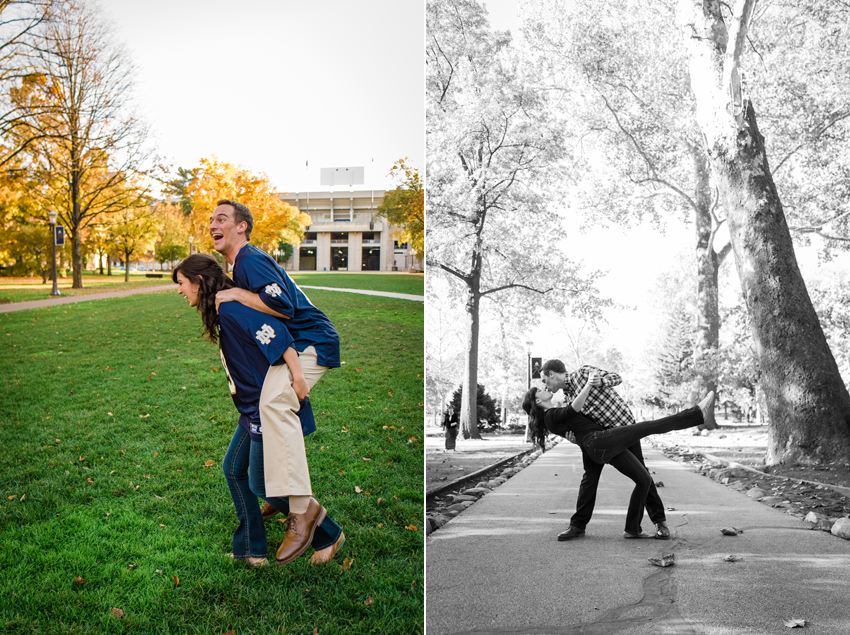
<point>365,459</point>
<point>79,580</point>
<point>12,497</point>
<point>89,480</point>
<point>671,509</point>
<point>731,531</point>
<point>379,500</point>
<point>176,582</point>
<point>209,463</point>
<point>357,489</point>
<point>23,497</point>
<point>666,560</point>
<point>369,601</point>
<point>159,571</point>
<point>346,564</point>
<point>110,414</point>
<point>732,558</point>
<point>229,633</point>
<point>133,566</point>
<point>412,528</point>
<point>659,483</point>
<point>795,623</point>
<point>118,613</point>
<point>156,454</point>
<point>161,525</point>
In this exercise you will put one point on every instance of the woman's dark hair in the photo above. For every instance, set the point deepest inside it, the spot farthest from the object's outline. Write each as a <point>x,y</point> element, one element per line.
<point>203,270</point>
<point>536,427</point>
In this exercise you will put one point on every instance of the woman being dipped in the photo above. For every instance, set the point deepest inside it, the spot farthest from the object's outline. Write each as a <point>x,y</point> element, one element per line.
<point>608,445</point>
<point>250,342</point>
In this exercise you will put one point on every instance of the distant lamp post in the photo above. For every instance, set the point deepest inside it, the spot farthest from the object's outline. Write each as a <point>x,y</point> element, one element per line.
<point>52,216</point>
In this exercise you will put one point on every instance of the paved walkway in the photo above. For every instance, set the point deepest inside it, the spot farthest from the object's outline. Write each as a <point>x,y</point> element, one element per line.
<point>498,568</point>
<point>37,304</point>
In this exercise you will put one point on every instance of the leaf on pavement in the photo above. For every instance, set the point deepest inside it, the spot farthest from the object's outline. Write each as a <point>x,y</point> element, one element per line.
<point>795,623</point>
<point>666,560</point>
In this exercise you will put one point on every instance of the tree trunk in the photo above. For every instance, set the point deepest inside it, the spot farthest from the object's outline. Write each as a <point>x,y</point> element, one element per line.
<point>127,267</point>
<point>708,264</point>
<point>807,403</point>
<point>469,396</point>
<point>108,264</point>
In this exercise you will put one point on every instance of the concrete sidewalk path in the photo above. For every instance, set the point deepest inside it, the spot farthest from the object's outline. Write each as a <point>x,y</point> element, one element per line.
<point>37,304</point>
<point>498,567</point>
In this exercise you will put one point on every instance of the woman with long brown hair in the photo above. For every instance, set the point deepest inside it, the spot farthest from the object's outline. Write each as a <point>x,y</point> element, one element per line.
<point>608,445</point>
<point>249,343</point>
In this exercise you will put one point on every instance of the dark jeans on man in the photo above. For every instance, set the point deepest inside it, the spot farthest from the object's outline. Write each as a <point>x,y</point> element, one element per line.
<point>617,446</point>
<point>590,482</point>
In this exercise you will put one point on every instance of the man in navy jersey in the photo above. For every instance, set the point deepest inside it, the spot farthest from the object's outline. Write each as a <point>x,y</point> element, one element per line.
<point>262,285</point>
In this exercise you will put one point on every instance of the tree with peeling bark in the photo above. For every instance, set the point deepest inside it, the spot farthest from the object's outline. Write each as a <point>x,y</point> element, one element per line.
<point>492,149</point>
<point>626,84</point>
<point>808,404</point>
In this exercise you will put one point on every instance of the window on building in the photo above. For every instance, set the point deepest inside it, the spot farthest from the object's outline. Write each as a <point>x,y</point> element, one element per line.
<point>371,259</point>
<point>398,245</point>
<point>339,237</point>
<point>307,259</point>
<point>339,259</point>
<point>309,237</point>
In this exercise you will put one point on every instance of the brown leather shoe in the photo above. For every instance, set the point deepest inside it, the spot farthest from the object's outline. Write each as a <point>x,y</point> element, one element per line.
<point>327,554</point>
<point>268,511</point>
<point>299,535</point>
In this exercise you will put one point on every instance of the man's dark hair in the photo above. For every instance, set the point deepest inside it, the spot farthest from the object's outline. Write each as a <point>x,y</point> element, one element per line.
<point>240,214</point>
<point>553,366</point>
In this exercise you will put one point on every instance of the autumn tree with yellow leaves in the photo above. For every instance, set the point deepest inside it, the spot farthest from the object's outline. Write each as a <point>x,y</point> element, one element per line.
<point>404,207</point>
<point>274,220</point>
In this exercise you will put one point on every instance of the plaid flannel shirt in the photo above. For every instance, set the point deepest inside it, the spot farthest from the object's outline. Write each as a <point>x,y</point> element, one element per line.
<point>604,405</point>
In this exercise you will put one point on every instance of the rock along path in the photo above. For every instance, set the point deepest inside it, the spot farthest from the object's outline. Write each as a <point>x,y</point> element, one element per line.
<point>498,568</point>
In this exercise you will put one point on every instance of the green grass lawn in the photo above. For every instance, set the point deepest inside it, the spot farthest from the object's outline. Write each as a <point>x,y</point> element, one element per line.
<point>24,289</point>
<point>111,412</point>
<point>392,282</point>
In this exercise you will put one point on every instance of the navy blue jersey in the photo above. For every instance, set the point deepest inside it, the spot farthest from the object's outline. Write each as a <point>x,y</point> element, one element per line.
<point>250,342</point>
<point>257,272</point>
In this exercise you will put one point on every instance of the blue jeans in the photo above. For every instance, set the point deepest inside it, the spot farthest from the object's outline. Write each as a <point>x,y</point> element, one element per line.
<point>243,469</point>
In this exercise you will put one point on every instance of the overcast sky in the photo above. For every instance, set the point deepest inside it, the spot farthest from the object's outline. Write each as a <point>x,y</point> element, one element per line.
<point>273,84</point>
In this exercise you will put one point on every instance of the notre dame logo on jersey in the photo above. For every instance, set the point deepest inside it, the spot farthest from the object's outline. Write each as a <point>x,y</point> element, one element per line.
<point>265,334</point>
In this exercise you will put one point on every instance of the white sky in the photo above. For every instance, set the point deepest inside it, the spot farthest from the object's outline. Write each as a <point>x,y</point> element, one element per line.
<point>272,84</point>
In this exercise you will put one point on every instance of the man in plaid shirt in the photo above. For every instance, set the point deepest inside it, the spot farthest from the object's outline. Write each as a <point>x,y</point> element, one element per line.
<point>605,406</point>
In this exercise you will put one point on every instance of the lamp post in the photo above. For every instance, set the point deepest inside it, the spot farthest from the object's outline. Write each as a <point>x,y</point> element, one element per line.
<point>52,215</point>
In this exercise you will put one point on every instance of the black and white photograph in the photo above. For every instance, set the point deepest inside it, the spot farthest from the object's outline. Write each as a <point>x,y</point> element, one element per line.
<point>637,362</point>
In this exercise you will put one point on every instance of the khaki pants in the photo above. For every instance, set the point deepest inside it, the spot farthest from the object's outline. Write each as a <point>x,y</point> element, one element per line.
<point>284,456</point>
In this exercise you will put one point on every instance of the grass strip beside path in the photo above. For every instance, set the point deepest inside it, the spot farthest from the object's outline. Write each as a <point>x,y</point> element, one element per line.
<point>115,417</point>
<point>413,284</point>
<point>26,289</point>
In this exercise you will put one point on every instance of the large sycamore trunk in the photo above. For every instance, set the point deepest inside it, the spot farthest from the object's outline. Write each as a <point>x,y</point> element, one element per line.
<point>708,263</point>
<point>808,405</point>
<point>807,402</point>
